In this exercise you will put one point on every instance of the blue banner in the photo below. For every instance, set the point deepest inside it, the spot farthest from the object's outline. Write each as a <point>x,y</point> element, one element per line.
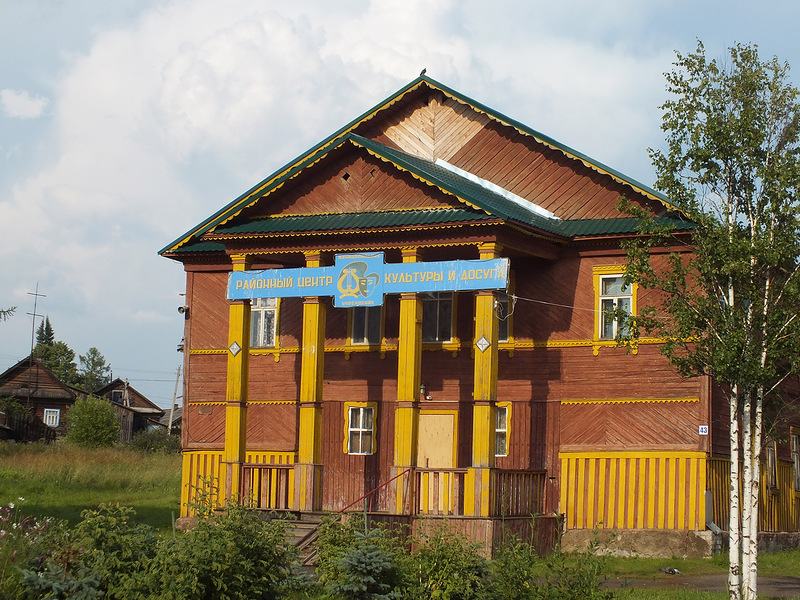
<point>363,279</point>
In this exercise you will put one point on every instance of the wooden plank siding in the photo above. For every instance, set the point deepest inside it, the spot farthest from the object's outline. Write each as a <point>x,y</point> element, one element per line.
<point>777,507</point>
<point>633,490</point>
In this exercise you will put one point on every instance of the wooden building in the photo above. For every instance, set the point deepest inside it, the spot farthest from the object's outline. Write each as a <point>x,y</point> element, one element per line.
<point>135,411</point>
<point>481,406</point>
<point>35,386</point>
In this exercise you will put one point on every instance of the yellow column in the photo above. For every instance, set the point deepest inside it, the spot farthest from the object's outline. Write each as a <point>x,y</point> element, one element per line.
<point>308,471</point>
<point>406,415</point>
<point>236,388</point>
<point>478,493</point>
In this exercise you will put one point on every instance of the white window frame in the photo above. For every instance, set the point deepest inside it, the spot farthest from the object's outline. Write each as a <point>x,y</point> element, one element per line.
<point>366,325</point>
<point>52,417</point>
<point>435,305</point>
<point>260,308</point>
<point>360,437</point>
<point>502,430</point>
<point>503,304</point>
<point>609,302</point>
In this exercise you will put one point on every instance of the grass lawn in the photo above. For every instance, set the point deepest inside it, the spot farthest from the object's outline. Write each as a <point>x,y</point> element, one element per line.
<point>60,480</point>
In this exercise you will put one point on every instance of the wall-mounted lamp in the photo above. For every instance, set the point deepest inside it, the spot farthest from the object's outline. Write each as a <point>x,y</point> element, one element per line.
<point>184,310</point>
<point>423,392</point>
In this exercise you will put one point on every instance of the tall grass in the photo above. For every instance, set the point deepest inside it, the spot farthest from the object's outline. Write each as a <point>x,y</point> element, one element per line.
<point>60,480</point>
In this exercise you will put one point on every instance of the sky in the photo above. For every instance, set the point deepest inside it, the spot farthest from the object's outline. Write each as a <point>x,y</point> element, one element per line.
<point>124,124</point>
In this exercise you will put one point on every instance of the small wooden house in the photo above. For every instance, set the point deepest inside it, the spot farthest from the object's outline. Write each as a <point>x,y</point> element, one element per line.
<point>484,384</point>
<point>33,385</point>
<point>135,411</point>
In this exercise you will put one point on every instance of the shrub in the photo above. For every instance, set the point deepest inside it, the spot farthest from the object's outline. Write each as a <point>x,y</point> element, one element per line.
<point>448,567</point>
<point>367,570</point>
<point>92,423</point>
<point>156,440</point>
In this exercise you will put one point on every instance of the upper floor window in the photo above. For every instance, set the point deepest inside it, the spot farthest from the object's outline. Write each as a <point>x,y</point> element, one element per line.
<point>365,325</point>
<point>263,322</point>
<point>614,295</point>
<point>360,429</point>
<point>796,460</point>
<point>503,306</point>
<point>118,396</point>
<point>437,317</point>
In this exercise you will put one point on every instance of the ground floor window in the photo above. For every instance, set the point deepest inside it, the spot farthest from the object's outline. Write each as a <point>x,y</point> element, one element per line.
<point>772,466</point>
<point>796,460</point>
<point>52,417</point>
<point>360,429</point>
<point>501,429</point>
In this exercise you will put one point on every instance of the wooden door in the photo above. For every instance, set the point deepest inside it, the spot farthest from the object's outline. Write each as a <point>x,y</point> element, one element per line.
<point>436,446</point>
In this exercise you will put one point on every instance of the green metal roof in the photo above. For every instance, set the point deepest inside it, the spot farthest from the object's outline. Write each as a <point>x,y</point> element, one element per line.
<point>292,168</point>
<point>351,221</point>
<point>588,227</point>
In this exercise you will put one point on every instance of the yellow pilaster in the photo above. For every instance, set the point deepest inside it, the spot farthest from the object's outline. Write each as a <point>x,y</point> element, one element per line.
<point>409,365</point>
<point>308,480</point>
<point>484,395</point>
<point>236,388</point>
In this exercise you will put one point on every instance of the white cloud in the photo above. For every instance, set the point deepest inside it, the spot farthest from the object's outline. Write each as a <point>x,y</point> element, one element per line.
<point>19,104</point>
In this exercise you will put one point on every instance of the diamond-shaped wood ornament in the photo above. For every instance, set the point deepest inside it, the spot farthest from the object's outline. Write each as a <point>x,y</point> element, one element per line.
<point>483,344</point>
<point>235,348</point>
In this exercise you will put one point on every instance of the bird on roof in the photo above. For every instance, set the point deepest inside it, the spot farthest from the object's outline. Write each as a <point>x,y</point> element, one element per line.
<point>421,73</point>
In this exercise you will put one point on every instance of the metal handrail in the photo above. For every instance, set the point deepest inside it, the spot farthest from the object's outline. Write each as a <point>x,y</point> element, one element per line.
<point>368,494</point>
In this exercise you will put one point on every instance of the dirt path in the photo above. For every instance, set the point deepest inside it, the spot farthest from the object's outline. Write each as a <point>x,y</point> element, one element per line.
<point>775,587</point>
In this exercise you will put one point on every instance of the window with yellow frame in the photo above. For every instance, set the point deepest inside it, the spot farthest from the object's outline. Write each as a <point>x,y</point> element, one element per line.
<point>502,428</point>
<point>795,447</point>
<point>359,427</point>
<point>612,295</point>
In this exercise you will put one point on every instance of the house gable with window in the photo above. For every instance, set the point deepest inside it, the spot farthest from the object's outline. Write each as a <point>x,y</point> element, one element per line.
<point>475,406</point>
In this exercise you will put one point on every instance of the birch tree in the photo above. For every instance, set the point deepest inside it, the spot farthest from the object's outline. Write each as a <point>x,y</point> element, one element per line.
<point>728,307</point>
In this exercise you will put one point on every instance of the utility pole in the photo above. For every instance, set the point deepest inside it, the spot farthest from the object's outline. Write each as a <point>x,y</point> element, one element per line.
<point>36,295</point>
<point>174,399</point>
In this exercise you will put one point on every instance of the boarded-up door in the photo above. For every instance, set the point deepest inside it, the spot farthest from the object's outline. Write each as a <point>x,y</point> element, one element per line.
<point>437,489</point>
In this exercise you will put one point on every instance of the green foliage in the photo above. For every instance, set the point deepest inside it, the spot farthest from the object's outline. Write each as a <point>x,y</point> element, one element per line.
<point>156,440</point>
<point>445,566</point>
<point>10,406</point>
<point>233,555</point>
<point>45,336</point>
<point>94,371</point>
<point>92,423</point>
<point>59,358</point>
<point>733,165</point>
<point>362,565</point>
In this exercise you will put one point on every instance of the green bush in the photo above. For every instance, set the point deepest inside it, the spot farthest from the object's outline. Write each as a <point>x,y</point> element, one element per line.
<point>92,423</point>
<point>156,440</point>
<point>446,566</point>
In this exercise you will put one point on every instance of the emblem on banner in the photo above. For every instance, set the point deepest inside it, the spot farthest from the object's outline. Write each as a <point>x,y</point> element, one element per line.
<point>355,282</point>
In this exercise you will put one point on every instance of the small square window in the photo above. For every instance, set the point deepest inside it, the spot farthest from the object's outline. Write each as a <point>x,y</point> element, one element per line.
<point>263,322</point>
<point>117,396</point>
<point>437,317</point>
<point>365,325</point>
<point>360,429</point>
<point>52,417</point>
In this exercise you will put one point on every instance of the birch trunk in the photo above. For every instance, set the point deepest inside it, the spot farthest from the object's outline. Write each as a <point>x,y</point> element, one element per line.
<point>747,490</point>
<point>750,576</point>
<point>734,546</point>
